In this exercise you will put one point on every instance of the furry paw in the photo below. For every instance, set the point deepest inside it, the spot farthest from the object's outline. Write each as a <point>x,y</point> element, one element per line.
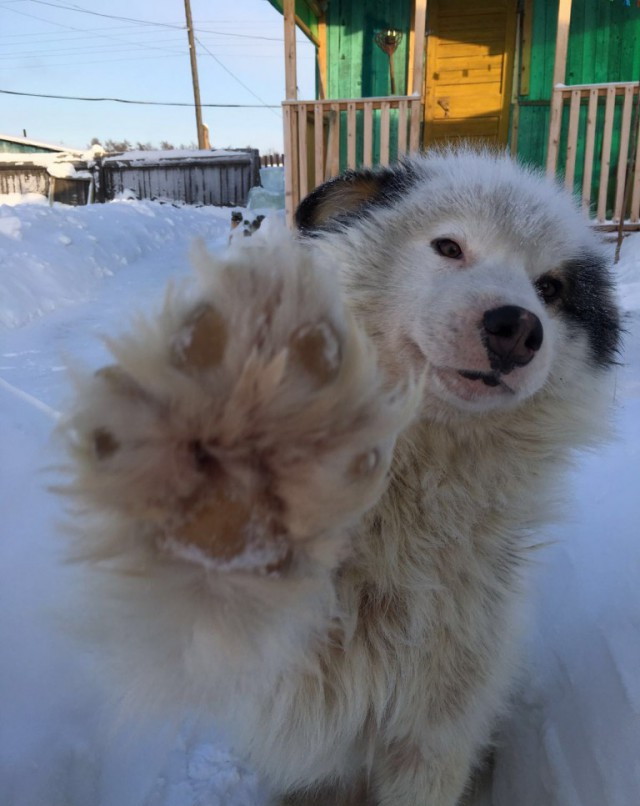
<point>243,421</point>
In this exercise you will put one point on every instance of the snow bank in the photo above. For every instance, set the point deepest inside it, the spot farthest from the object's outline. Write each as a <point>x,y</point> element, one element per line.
<point>628,273</point>
<point>52,257</point>
<point>271,195</point>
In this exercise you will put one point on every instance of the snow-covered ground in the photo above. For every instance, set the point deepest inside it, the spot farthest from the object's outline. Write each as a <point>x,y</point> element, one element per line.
<point>69,274</point>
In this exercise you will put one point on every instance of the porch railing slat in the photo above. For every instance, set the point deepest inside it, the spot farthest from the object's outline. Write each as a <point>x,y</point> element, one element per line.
<point>333,155</point>
<point>592,116</point>
<point>572,140</point>
<point>318,143</point>
<point>351,135</point>
<point>384,133</point>
<point>625,131</point>
<point>290,197</point>
<point>414,131</point>
<point>605,162</point>
<point>635,195</point>
<point>402,127</point>
<point>367,153</point>
<point>554,132</point>
<point>302,151</point>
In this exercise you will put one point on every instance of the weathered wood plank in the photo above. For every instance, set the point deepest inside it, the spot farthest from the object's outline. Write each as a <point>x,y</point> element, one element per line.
<point>384,134</point>
<point>605,162</point>
<point>623,153</point>
<point>635,193</point>
<point>351,135</point>
<point>303,156</point>
<point>318,140</point>
<point>572,140</point>
<point>333,155</point>
<point>403,109</point>
<point>592,116</point>
<point>367,151</point>
<point>420,25</point>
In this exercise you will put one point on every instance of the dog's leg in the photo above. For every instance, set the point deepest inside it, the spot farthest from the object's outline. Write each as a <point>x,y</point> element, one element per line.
<point>407,774</point>
<point>222,459</point>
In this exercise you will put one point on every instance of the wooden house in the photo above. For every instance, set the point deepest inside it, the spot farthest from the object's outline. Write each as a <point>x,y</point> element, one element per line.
<point>9,144</point>
<point>554,81</point>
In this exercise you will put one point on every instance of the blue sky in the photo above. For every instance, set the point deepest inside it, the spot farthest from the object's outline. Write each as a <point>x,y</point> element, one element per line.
<point>45,48</point>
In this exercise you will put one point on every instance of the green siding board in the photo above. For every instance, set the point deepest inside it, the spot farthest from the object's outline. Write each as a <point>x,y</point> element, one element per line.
<point>604,45</point>
<point>357,68</point>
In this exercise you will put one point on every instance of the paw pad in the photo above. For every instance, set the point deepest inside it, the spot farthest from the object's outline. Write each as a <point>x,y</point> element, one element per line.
<point>218,527</point>
<point>120,382</point>
<point>104,443</point>
<point>364,464</point>
<point>201,342</point>
<point>316,348</point>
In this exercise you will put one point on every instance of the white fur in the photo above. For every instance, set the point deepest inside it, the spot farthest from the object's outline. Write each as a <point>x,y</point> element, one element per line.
<point>385,651</point>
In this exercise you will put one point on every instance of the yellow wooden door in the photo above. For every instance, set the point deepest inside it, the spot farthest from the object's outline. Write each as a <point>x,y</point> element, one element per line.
<point>468,78</point>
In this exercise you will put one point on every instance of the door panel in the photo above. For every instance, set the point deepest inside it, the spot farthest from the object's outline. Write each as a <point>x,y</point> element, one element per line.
<point>469,67</point>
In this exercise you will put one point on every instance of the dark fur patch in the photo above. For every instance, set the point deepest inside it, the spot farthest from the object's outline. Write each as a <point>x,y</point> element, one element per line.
<point>336,202</point>
<point>589,304</point>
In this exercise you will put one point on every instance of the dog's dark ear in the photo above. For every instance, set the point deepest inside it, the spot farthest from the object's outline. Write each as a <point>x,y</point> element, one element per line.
<point>348,195</point>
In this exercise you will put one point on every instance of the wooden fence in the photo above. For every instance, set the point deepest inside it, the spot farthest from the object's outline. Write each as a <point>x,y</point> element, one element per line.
<point>595,132</point>
<point>272,160</point>
<point>216,179</point>
<point>324,137</point>
<point>221,179</point>
<point>25,177</point>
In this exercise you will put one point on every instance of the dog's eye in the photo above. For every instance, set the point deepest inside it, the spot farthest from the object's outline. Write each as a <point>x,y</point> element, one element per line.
<point>447,248</point>
<point>549,288</point>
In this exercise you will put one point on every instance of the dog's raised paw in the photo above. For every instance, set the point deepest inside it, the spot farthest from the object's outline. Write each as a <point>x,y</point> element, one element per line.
<point>245,419</point>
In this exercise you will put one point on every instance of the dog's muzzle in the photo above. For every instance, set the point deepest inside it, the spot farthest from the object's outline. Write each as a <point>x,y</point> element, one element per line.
<point>512,336</point>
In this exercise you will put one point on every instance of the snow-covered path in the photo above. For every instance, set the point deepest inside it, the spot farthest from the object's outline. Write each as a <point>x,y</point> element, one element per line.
<point>66,276</point>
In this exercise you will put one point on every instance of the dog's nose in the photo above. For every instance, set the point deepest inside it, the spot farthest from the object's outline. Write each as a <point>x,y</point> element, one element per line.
<point>512,337</point>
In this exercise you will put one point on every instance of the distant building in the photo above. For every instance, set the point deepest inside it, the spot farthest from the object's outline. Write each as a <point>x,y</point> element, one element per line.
<point>11,144</point>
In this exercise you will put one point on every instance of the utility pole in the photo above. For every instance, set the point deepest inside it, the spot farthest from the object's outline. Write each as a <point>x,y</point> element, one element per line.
<point>194,75</point>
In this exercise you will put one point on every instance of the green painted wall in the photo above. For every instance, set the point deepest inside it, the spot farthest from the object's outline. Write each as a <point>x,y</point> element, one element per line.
<point>357,68</point>
<point>8,146</point>
<point>604,45</point>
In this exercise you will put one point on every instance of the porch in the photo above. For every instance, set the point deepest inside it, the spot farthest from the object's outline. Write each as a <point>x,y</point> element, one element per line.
<point>591,130</point>
<point>322,138</point>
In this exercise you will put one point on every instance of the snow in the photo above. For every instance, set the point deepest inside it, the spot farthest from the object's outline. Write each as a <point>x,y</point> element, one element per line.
<point>271,194</point>
<point>70,274</point>
<point>173,155</point>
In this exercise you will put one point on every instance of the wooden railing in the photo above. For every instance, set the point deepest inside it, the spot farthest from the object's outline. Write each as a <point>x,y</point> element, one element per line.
<point>598,142</point>
<point>323,138</point>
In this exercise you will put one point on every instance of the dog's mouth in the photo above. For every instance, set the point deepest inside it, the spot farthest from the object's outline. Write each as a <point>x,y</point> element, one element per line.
<point>473,384</point>
<point>487,378</point>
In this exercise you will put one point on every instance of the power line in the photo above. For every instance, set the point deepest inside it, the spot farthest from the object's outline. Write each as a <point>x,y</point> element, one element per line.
<point>235,77</point>
<point>142,103</point>
<point>81,10</point>
<point>242,36</point>
<point>81,30</point>
<point>148,47</point>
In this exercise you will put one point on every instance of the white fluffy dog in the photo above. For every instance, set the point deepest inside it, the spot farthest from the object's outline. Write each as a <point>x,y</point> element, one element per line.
<point>313,479</point>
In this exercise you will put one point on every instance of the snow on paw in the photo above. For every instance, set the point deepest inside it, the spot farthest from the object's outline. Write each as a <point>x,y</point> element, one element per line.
<point>234,439</point>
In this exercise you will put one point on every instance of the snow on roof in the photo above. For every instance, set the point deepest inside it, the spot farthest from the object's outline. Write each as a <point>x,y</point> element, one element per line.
<point>64,164</point>
<point>174,155</point>
<point>27,141</point>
